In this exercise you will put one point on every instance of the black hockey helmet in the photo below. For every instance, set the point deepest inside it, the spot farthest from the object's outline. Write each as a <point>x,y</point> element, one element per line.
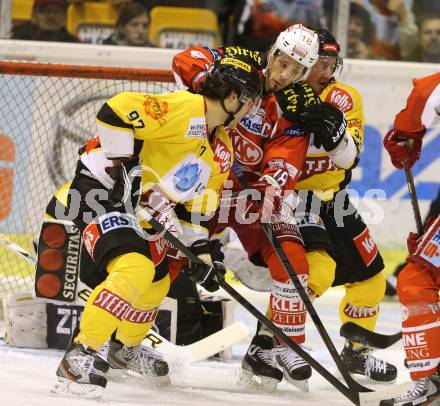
<point>228,74</point>
<point>328,46</point>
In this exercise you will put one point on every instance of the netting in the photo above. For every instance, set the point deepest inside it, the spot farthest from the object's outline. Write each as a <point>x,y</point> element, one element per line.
<point>47,112</point>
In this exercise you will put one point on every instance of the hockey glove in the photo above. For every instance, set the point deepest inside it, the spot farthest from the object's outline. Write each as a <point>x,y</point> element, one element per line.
<point>294,99</point>
<point>404,148</point>
<point>271,196</point>
<point>326,122</point>
<point>207,275</point>
<point>126,191</point>
<point>412,242</point>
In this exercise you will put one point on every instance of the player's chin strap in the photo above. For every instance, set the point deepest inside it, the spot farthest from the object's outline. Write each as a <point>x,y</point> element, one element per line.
<point>231,115</point>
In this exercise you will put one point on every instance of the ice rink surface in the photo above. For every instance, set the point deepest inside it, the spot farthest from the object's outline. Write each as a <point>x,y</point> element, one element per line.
<point>26,376</point>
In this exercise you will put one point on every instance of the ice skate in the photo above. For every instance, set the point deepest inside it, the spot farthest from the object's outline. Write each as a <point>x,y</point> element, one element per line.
<point>362,362</point>
<point>259,368</point>
<point>423,392</point>
<point>81,374</point>
<point>139,361</point>
<point>296,371</point>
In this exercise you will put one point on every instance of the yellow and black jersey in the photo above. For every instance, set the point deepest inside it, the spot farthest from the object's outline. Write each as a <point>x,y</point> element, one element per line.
<point>319,172</point>
<point>169,133</point>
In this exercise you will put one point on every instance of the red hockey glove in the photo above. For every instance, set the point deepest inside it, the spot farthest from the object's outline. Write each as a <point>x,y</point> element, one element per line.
<point>403,155</point>
<point>412,242</point>
<point>414,238</point>
<point>265,198</point>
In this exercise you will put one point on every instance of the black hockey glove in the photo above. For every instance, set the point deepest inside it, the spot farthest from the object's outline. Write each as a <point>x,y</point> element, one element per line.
<point>294,99</point>
<point>127,189</point>
<point>327,123</point>
<point>207,275</point>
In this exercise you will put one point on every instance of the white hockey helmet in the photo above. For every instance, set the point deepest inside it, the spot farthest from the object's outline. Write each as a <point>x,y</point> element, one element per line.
<point>301,44</point>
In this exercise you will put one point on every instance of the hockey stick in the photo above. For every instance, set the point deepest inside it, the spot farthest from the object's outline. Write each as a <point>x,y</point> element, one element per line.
<point>268,230</point>
<point>348,392</point>
<point>414,201</point>
<point>361,335</point>
<point>198,351</point>
<point>8,243</point>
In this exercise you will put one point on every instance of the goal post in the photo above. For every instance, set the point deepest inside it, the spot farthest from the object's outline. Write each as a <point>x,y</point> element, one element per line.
<point>48,111</point>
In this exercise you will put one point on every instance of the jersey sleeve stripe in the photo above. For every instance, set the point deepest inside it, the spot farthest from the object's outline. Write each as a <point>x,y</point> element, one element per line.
<point>108,117</point>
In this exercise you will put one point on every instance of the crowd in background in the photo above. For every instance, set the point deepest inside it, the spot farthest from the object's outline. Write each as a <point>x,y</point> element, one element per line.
<point>407,30</point>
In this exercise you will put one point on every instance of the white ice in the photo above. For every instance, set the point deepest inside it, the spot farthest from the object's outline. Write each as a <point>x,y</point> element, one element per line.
<point>26,376</point>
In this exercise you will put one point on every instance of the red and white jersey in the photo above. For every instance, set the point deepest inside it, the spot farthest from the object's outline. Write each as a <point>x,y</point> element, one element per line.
<point>264,141</point>
<point>423,106</point>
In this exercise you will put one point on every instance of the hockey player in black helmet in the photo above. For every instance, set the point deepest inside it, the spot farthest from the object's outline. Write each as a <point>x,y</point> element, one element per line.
<point>172,145</point>
<point>229,74</point>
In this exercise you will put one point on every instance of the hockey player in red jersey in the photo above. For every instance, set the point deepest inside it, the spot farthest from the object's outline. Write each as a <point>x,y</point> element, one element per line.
<point>269,148</point>
<point>333,231</point>
<point>418,283</point>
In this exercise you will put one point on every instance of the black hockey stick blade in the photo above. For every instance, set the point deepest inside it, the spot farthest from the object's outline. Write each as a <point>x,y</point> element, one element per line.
<point>363,336</point>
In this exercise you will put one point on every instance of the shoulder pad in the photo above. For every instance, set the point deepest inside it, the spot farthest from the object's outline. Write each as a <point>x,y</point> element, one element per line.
<point>293,98</point>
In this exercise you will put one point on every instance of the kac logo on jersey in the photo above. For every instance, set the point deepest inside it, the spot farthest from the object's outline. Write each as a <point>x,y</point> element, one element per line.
<point>246,152</point>
<point>186,177</point>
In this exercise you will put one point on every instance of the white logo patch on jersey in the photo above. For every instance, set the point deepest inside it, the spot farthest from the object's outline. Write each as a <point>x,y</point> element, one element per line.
<point>196,128</point>
<point>113,220</point>
<point>186,179</point>
<point>198,55</point>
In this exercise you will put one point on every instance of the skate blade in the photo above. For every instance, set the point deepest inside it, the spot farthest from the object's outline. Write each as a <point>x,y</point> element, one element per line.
<point>264,383</point>
<point>129,376</point>
<point>374,398</point>
<point>301,385</point>
<point>71,389</point>
<point>363,379</point>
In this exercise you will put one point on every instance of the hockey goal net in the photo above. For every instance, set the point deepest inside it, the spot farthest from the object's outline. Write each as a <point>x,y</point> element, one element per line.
<point>48,111</point>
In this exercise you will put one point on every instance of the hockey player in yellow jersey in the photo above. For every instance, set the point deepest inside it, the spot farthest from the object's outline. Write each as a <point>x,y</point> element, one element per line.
<point>339,247</point>
<point>156,150</point>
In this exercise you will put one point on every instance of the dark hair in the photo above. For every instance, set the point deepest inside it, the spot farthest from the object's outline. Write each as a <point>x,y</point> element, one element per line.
<point>129,12</point>
<point>363,15</point>
<point>424,17</point>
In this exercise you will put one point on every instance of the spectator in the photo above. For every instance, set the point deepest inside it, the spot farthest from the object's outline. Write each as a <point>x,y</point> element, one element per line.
<point>48,23</point>
<point>428,49</point>
<point>131,27</point>
<point>395,28</point>
<point>262,20</point>
<point>360,33</point>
